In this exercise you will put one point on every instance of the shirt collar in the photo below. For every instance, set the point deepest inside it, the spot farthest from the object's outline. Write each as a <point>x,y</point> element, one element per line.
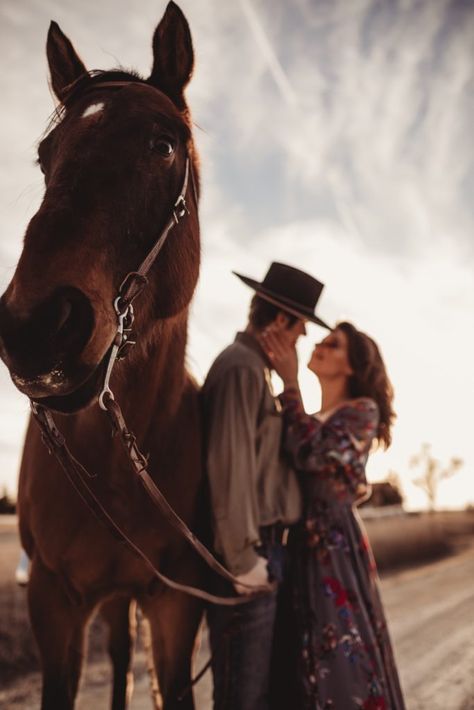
<point>251,342</point>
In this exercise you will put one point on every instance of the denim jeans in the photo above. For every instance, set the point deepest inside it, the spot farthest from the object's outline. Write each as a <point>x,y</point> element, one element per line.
<point>241,644</point>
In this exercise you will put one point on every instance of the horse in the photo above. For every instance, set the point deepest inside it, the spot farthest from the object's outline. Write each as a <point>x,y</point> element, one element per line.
<point>114,160</point>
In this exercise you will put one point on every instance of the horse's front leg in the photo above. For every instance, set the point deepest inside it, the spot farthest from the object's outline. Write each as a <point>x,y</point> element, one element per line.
<point>119,614</point>
<point>174,621</point>
<point>58,625</point>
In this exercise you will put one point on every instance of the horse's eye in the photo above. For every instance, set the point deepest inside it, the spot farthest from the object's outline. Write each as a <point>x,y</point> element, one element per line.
<point>163,146</point>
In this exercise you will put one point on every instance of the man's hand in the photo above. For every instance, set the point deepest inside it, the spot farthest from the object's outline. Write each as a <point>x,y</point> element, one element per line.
<point>281,354</point>
<point>257,576</point>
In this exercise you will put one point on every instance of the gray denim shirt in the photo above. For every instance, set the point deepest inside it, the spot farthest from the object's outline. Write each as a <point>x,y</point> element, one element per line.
<point>251,483</point>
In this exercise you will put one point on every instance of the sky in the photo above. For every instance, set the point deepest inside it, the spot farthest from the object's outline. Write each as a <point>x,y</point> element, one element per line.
<point>334,136</point>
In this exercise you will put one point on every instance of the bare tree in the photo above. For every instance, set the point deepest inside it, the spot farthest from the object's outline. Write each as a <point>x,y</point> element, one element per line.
<point>433,472</point>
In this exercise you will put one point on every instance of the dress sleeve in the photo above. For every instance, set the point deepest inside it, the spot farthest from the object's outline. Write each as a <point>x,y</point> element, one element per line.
<point>337,447</point>
<point>231,411</point>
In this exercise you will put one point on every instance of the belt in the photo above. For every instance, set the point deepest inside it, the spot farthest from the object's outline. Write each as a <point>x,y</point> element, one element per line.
<point>275,534</point>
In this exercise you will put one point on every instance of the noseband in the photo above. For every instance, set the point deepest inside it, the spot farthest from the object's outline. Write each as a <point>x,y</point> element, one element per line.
<point>131,287</point>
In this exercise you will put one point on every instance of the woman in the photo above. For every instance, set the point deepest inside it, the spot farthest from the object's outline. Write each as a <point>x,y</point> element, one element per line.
<point>344,655</point>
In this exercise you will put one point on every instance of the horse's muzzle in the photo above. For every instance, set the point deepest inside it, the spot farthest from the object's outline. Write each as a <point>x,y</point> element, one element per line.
<point>43,350</point>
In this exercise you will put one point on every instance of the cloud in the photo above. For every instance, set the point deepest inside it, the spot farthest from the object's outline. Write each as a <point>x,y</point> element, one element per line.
<point>335,136</point>
<point>375,129</point>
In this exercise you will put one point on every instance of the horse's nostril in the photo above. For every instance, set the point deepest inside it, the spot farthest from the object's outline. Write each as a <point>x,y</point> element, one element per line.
<point>72,320</point>
<point>64,315</point>
<point>54,334</point>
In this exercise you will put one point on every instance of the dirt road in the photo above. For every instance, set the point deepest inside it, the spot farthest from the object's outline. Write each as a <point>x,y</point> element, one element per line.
<point>431,616</point>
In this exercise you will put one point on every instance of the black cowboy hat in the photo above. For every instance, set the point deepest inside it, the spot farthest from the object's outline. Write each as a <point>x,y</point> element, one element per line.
<point>292,290</point>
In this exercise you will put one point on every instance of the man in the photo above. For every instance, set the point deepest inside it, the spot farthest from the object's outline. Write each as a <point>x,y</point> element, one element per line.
<point>254,493</point>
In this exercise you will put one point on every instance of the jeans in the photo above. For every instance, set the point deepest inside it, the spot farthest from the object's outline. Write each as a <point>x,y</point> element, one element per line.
<point>241,644</point>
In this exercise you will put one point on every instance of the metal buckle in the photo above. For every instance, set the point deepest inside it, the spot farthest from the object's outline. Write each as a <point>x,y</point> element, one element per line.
<point>105,391</point>
<point>125,322</point>
<point>180,209</point>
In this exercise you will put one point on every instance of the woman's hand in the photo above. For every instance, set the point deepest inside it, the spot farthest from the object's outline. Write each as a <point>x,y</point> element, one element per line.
<point>282,355</point>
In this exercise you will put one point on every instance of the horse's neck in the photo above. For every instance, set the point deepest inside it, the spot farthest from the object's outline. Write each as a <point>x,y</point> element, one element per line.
<point>149,389</point>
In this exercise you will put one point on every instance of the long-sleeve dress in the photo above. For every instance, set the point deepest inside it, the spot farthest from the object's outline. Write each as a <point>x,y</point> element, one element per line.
<point>344,657</point>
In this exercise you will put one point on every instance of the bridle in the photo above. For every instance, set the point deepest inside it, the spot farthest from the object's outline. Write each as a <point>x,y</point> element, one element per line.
<point>132,285</point>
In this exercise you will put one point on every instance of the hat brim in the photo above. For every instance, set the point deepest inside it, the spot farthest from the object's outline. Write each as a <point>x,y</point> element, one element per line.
<point>285,304</point>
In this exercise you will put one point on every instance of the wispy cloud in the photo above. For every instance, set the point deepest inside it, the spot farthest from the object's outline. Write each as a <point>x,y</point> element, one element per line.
<point>335,136</point>
<point>378,125</point>
<point>268,53</point>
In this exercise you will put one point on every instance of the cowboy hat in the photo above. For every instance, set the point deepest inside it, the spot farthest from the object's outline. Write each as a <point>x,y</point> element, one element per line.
<point>290,289</point>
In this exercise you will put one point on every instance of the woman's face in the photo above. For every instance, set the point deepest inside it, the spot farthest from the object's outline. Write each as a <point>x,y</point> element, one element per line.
<point>330,358</point>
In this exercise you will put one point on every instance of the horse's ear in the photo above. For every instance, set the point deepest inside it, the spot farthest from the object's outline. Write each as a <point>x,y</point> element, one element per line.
<point>173,56</point>
<point>64,64</point>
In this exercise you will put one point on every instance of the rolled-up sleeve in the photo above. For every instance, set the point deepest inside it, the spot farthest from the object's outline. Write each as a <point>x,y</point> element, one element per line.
<point>231,412</point>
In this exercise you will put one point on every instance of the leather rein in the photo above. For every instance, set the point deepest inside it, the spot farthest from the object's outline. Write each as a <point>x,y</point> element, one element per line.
<point>78,476</point>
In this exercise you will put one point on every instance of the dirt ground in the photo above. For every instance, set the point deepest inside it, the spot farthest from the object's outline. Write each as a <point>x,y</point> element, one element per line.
<point>431,616</point>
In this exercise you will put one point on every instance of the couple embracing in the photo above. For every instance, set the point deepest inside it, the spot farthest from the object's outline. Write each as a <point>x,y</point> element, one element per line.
<point>283,485</point>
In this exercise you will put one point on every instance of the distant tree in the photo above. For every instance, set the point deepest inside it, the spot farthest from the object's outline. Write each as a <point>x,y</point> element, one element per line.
<point>433,472</point>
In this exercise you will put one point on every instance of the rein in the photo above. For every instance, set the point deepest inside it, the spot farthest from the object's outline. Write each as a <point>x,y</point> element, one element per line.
<point>130,288</point>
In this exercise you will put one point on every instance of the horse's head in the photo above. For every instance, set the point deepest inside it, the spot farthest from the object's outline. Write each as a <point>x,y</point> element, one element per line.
<point>114,163</point>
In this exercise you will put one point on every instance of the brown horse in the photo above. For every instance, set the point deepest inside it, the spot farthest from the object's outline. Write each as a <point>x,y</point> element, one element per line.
<point>114,161</point>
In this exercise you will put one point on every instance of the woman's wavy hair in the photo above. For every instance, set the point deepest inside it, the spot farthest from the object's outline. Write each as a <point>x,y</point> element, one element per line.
<point>369,378</point>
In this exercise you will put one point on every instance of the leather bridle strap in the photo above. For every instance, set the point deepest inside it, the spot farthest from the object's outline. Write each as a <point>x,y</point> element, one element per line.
<point>78,476</point>
<point>139,465</point>
<point>136,281</point>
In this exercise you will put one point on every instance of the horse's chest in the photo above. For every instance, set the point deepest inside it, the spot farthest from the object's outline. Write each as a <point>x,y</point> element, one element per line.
<point>95,565</point>
<point>82,551</point>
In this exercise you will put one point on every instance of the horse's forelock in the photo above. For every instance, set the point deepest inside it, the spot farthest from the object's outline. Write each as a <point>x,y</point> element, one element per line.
<point>81,86</point>
<point>87,82</point>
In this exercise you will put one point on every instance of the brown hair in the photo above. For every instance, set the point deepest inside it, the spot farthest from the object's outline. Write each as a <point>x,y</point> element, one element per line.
<point>370,378</point>
<point>262,313</point>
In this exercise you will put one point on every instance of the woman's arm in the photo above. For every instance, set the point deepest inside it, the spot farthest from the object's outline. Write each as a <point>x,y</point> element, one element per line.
<point>336,447</point>
<point>303,432</point>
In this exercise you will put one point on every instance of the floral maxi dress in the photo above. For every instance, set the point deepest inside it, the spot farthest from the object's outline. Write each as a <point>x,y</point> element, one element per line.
<point>344,658</point>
